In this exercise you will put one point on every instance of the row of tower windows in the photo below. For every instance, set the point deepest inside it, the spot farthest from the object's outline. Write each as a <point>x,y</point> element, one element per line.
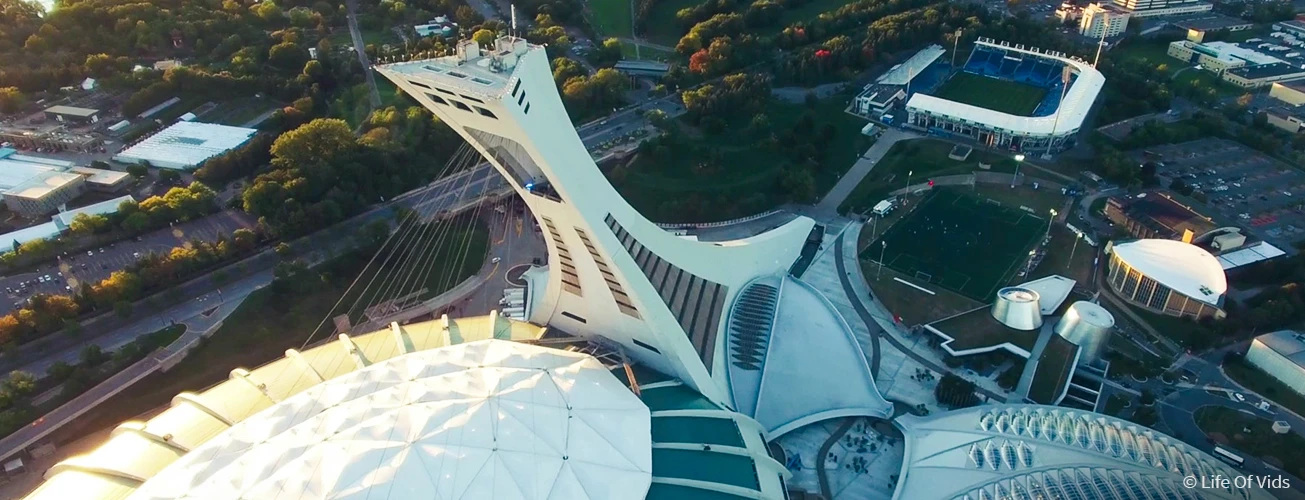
<point>618,292</point>
<point>570,278</point>
<point>460,105</point>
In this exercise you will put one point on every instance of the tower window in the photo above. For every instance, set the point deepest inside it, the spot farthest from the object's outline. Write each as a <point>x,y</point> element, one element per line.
<point>574,317</point>
<point>437,99</point>
<point>646,346</point>
<point>527,111</point>
<point>516,87</point>
<point>472,99</point>
<point>485,112</point>
<point>419,84</point>
<point>461,106</point>
<point>445,92</point>
<point>521,99</point>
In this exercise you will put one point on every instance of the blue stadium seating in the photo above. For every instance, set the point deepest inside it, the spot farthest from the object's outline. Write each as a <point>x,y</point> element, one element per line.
<point>1021,68</point>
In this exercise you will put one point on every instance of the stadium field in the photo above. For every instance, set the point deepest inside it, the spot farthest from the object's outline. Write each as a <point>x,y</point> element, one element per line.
<point>959,242</point>
<point>986,92</point>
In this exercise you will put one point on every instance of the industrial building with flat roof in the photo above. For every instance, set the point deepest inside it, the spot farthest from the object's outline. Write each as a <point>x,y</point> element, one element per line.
<point>1157,215</point>
<point>1168,277</point>
<point>185,145</point>
<point>72,114</point>
<point>1200,26</point>
<point>1280,354</point>
<point>1159,8</point>
<point>1244,64</point>
<point>36,186</point>
<point>1290,93</point>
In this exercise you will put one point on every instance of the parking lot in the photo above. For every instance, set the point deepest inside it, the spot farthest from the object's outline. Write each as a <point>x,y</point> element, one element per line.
<point>1241,185</point>
<point>92,266</point>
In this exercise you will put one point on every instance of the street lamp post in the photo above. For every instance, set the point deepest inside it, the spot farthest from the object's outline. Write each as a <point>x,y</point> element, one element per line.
<point>883,248</point>
<point>1078,236</point>
<point>1050,220</point>
<point>1019,158</point>
<point>908,181</point>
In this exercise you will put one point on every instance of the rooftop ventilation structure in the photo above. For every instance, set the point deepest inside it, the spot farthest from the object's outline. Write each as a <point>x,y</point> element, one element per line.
<point>1017,308</point>
<point>1088,326</point>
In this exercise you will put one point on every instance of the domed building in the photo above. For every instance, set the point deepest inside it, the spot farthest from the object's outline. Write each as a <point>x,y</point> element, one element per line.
<point>1167,277</point>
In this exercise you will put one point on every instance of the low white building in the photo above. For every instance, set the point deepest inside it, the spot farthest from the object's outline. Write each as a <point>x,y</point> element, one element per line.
<point>185,145</point>
<point>1280,354</point>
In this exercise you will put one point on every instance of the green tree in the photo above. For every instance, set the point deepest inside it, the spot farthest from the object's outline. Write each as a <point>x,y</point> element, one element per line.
<point>60,371</point>
<point>169,176</point>
<point>11,100</point>
<point>138,171</point>
<point>484,37</point>
<point>283,249</point>
<point>244,239</point>
<point>313,144</point>
<point>955,392</point>
<point>84,223</point>
<point>92,355</point>
<point>35,247</point>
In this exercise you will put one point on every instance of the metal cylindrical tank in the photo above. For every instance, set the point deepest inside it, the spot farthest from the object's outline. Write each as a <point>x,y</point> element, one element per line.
<point>1088,326</point>
<point>1017,308</point>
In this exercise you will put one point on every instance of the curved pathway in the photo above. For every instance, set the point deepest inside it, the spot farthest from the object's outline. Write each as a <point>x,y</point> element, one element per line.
<point>838,434</point>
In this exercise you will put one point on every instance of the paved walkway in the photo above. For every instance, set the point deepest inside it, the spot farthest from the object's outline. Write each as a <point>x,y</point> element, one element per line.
<point>838,434</point>
<point>1031,367</point>
<point>861,168</point>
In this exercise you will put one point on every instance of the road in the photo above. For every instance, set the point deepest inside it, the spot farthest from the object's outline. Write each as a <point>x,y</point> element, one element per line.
<point>68,273</point>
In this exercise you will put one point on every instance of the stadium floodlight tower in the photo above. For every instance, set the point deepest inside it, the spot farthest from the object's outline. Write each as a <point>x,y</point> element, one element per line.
<point>612,274</point>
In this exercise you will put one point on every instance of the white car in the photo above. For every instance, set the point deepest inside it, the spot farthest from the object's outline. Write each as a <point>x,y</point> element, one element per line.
<point>495,260</point>
<point>1240,397</point>
<point>41,279</point>
<point>90,252</point>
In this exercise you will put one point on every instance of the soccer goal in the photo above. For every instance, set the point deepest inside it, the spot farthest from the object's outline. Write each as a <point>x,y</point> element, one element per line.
<point>923,276</point>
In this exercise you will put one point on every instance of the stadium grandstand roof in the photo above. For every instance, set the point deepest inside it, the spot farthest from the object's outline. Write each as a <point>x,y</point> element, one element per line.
<point>1068,117</point>
<point>903,73</point>
<point>1032,451</point>
<point>1186,268</point>
<point>794,360</point>
<point>318,422</point>
<point>185,144</point>
<point>1160,212</point>
<point>1249,255</point>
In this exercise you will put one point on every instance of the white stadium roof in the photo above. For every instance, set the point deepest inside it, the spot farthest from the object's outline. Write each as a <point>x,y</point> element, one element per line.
<point>185,145</point>
<point>487,419</point>
<point>794,361</point>
<point>1186,268</point>
<point>1031,451</point>
<point>64,219</point>
<point>1073,109</point>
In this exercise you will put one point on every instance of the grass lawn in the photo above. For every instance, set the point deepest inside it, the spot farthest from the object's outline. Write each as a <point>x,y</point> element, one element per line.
<point>805,12</point>
<point>978,329</point>
<point>238,112</point>
<point>913,306</point>
<point>1064,243</point>
<point>1206,79</point>
<point>1041,200</point>
<point>257,332</point>
<point>923,158</point>
<point>959,242</point>
<point>647,53</point>
<point>661,25</point>
<point>1154,53</point>
<point>998,95</point>
<point>1229,426</point>
<point>611,17</point>
<point>1261,383</point>
<point>744,177</point>
<point>1051,375</point>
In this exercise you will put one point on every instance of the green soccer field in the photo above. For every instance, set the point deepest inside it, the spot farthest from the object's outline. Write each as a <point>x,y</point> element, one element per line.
<point>959,242</point>
<point>998,95</point>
